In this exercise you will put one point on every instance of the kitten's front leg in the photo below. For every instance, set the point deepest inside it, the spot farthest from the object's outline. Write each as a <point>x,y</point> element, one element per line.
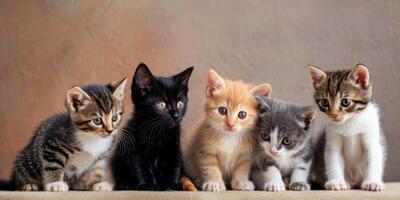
<point>240,180</point>
<point>298,180</point>
<point>271,179</point>
<point>210,173</point>
<point>99,176</point>
<point>172,172</point>
<point>375,163</point>
<point>54,178</point>
<point>141,173</point>
<point>334,163</point>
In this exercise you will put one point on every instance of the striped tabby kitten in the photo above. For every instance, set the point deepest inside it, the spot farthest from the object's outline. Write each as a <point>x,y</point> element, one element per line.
<point>222,147</point>
<point>355,145</point>
<point>71,149</point>
<point>284,146</point>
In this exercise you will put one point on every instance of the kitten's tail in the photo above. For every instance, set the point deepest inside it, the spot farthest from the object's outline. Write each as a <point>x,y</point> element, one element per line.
<point>7,185</point>
<point>187,184</point>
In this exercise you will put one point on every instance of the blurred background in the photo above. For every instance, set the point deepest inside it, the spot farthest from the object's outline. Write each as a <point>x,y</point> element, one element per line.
<point>48,46</point>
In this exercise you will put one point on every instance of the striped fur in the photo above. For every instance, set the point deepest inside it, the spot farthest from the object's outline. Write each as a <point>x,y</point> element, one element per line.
<point>68,148</point>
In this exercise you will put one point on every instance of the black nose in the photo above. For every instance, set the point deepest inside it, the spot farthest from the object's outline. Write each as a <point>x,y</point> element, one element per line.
<point>109,131</point>
<point>175,115</point>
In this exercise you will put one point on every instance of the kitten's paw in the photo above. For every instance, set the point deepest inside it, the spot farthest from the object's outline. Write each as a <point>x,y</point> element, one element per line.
<point>173,187</point>
<point>102,186</point>
<point>212,186</point>
<point>373,186</point>
<point>30,187</point>
<point>337,185</point>
<point>274,186</point>
<point>242,185</point>
<point>299,186</point>
<point>59,186</point>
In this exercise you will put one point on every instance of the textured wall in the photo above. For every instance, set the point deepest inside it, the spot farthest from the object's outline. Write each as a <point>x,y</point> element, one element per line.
<point>48,46</point>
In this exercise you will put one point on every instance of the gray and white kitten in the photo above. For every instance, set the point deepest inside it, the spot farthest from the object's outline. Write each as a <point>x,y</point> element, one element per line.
<point>71,150</point>
<point>284,146</point>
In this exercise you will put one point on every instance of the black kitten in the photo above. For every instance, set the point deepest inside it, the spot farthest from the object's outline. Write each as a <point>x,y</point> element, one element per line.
<point>155,163</point>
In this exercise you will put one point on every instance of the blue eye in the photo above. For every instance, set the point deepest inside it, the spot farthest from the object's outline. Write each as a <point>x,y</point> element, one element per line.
<point>242,114</point>
<point>115,117</point>
<point>222,110</point>
<point>323,103</point>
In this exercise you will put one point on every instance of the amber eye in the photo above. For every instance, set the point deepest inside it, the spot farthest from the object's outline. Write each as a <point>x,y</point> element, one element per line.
<point>161,105</point>
<point>180,104</point>
<point>323,103</point>
<point>115,117</point>
<point>242,114</point>
<point>345,102</point>
<point>97,121</point>
<point>222,110</point>
<point>286,141</point>
<point>265,137</point>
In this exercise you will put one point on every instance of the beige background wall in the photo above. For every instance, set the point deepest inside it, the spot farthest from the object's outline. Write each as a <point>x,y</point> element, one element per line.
<point>48,46</point>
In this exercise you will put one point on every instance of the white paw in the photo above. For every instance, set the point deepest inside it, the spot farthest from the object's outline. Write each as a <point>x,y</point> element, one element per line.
<point>274,186</point>
<point>102,186</point>
<point>59,186</point>
<point>212,186</point>
<point>299,186</point>
<point>242,185</point>
<point>30,187</point>
<point>373,186</point>
<point>337,185</point>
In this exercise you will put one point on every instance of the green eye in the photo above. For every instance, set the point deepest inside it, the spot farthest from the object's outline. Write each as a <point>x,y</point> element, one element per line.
<point>97,121</point>
<point>286,141</point>
<point>161,105</point>
<point>180,104</point>
<point>265,137</point>
<point>115,117</point>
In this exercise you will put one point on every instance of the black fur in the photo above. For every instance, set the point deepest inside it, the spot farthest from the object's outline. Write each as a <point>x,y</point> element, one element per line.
<point>155,160</point>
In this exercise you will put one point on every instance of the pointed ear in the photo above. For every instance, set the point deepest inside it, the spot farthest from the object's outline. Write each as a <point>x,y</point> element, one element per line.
<point>77,99</point>
<point>317,75</point>
<point>117,88</point>
<point>307,115</point>
<point>214,83</point>
<point>263,105</point>
<point>142,79</point>
<point>183,77</point>
<point>360,76</point>
<point>263,90</point>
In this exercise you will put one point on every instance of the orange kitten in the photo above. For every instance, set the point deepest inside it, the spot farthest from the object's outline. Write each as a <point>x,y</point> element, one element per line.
<point>221,150</point>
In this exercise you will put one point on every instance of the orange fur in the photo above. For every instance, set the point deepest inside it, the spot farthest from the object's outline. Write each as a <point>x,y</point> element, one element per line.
<point>221,150</point>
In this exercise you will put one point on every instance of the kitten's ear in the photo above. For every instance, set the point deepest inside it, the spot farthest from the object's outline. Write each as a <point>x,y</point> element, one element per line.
<point>307,115</point>
<point>117,88</point>
<point>77,99</point>
<point>360,76</point>
<point>183,77</point>
<point>263,90</point>
<point>317,75</point>
<point>263,105</point>
<point>142,79</point>
<point>214,83</point>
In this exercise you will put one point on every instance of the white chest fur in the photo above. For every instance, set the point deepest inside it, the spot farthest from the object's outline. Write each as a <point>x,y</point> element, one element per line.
<point>92,148</point>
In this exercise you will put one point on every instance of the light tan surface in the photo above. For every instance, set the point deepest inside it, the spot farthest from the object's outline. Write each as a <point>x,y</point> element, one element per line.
<point>48,46</point>
<point>391,193</point>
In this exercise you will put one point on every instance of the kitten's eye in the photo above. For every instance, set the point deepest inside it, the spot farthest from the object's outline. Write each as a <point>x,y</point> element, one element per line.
<point>242,114</point>
<point>161,105</point>
<point>323,103</point>
<point>222,110</point>
<point>180,104</point>
<point>265,137</point>
<point>115,117</point>
<point>286,141</point>
<point>97,121</point>
<point>345,102</point>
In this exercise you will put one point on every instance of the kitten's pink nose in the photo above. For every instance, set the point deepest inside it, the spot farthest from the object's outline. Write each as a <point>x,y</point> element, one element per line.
<point>274,153</point>
<point>230,126</point>
<point>334,115</point>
